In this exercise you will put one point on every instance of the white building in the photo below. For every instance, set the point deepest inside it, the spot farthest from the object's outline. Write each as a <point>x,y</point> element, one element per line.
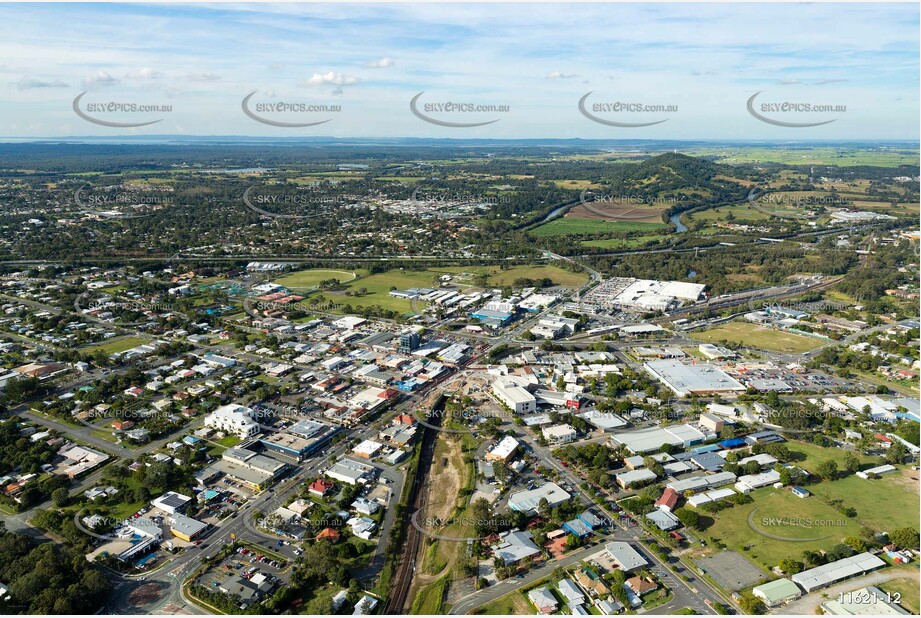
<point>514,396</point>
<point>560,434</point>
<point>233,418</point>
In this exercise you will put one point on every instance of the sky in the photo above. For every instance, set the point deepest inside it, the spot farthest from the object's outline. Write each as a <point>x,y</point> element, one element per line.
<point>682,71</point>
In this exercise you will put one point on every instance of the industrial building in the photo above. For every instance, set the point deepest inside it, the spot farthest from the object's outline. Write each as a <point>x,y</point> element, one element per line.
<point>834,572</point>
<point>686,380</point>
<point>650,440</point>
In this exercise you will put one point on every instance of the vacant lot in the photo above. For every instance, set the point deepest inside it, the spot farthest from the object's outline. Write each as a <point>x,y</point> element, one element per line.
<point>114,346</point>
<point>883,504</point>
<point>758,336</point>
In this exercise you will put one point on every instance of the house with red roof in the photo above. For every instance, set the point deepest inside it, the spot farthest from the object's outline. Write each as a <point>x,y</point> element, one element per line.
<point>321,487</point>
<point>668,500</point>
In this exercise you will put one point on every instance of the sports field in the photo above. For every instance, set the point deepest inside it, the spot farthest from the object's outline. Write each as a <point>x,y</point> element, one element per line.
<point>312,277</point>
<point>758,336</point>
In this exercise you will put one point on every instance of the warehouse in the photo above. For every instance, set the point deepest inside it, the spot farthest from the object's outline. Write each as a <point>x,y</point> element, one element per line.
<point>352,472</point>
<point>634,477</point>
<point>827,574</point>
<point>702,483</point>
<point>650,440</point>
<point>777,592</point>
<point>687,380</point>
<point>624,556</point>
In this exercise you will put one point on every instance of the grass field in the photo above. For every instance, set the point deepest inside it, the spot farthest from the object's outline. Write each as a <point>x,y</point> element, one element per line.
<point>566,226</point>
<point>810,456</point>
<point>429,599</point>
<point>312,277</point>
<point>908,589</point>
<point>737,213</point>
<point>115,346</point>
<point>807,523</point>
<point>758,336</point>
<point>883,504</point>
<point>513,603</point>
<point>631,242</point>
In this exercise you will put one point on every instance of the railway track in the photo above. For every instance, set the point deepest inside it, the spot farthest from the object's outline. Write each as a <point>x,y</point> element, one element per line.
<point>403,580</point>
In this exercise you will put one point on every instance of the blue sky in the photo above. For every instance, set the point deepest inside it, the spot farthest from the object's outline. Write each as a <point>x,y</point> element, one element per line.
<point>536,59</point>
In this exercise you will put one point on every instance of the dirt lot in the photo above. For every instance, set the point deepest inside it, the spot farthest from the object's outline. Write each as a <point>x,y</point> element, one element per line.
<point>622,212</point>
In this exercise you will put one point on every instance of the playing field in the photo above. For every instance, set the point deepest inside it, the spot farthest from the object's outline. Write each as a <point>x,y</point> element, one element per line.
<point>883,504</point>
<point>781,526</point>
<point>312,277</point>
<point>758,336</point>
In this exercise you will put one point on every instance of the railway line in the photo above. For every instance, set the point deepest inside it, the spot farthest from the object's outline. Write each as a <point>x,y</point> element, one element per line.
<point>402,582</point>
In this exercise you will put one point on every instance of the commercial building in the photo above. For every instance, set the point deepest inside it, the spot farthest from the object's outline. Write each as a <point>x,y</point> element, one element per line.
<point>702,483</point>
<point>233,419</point>
<point>559,434</point>
<point>635,477</point>
<point>625,557</point>
<point>650,440</point>
<point>528,501</point>
<point>300,441</point>
<point>515,546</point>
<point>504,450</point>
<point>186,528</point>
<point>686,380</point>
<point>517,398</point>
<point>352,472</point>
<point>172,503</point>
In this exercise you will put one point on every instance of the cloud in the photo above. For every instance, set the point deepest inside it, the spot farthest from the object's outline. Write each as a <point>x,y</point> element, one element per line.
<point>31,83</point>
<point>203,77</point>
<point>145,73</point>
<point>560,75</point>
<point>330,79</point>
<point>383,63</point>
<point>789,82</point>
<point>100,79</point>
<point>822,82</point>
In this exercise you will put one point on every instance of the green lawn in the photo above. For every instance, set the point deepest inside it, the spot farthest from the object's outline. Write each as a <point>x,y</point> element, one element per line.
<point>310,278</point>
<point>429,598</point>
<point>116,345</point>
<point>565,226</point>
<point>808,523</point>
<point>229,441</point>
<point>884,504</point>
<point>758,336</point>
<point>737,213</point>
<point>907,588</point>
<point>810,456</point>
<point>514,603</point>
<point>631,242</point>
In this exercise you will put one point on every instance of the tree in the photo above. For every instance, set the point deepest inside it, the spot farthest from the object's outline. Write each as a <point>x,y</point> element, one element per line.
<point>688,517</point>
<point>895,454</point>
<point>790,566</point>
<point>906,538</point>
<point>828,470</point>
<point>851,462</point>
<point>855,543</point>
<point>60,497</point>
<point>750,604</point>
